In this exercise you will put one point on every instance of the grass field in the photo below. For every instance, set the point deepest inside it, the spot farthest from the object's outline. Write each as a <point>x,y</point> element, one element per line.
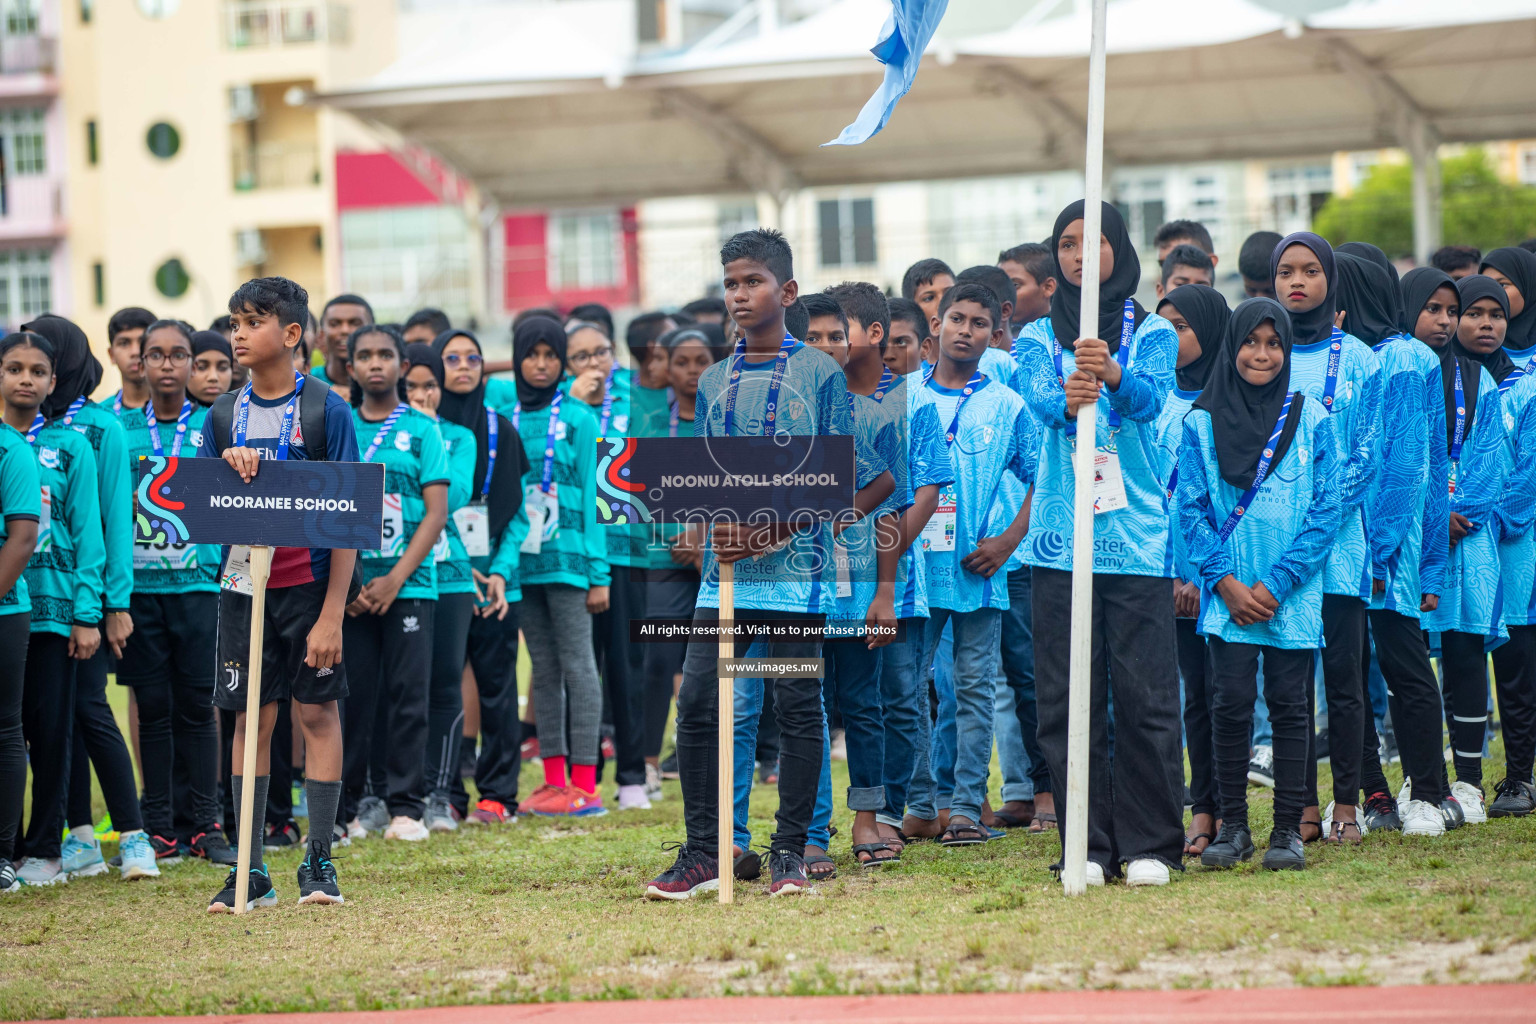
<point>546,910</point>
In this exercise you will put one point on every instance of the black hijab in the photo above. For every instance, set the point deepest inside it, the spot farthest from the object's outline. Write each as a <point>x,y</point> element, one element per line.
<point>1121,285</point>
<point>469,411</point>
<point>212,341</point>
<point>419,353</point>
<point>1414,291</point>
<point>76,370</point>
<point>1472,288</point>
<point>1368,297</point>
<point>1519,266</point>
<point>525,336</point>
<point>1315,324</point>
<point>1369,252</point>
<point>1205,310</point>
<point>1243,415</point>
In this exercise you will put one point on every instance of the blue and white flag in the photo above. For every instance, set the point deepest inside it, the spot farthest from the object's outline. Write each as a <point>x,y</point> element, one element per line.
<point>902,41</point>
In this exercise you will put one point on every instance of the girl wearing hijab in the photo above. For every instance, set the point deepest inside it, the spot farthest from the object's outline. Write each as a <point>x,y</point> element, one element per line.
<point>1339,371</point>
<point>213,367</point>
<point>490,529</point>
<point>1199,316</point>
<point>1259,503</point>
<point>1514,270</point>
<point>1124,361</point>
<point>1469,619</point>
<point>564,570</point>
<point>64,583</point>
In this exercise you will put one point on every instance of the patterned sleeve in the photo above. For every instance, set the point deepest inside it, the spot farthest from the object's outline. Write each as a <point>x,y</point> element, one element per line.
<point>584,436</point>
<point>1361,447</point>
<point>930,463</point>
<point>1038,383</point>
<point>1026,447</point>
<point>434,458</point>
<point>1145,385</point>
<point>832,415</point>
<point>1437,499</point>
<point>1401,446</point>
<point>1206,553</point>
<point>114,501</point>
<point>1480,484</point>
<point>1517,510</point>
<point>84,509</point>
<point>1310,547</point>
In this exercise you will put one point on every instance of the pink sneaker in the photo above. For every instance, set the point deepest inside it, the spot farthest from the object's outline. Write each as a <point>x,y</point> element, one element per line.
<point>571,802</point>
<point>492,812</point>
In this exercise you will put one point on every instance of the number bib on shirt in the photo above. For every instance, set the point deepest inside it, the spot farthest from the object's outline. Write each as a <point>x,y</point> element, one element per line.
<point>474,524</point>
<point>164,556</point>
<point>394,530</point>
<point>1108,484</point>
<point>844,577</point>
<point>543,517</point>
<point>237,571</point>
<point>939,532</point>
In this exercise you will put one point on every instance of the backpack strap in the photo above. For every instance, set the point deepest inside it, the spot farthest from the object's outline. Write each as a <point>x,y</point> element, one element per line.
<point>312,417</point>
<point>221,420</point>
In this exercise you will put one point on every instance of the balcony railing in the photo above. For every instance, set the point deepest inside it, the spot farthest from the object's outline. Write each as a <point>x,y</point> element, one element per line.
<point>20,54</point>
<point>276,165</point>
<point>31,207</point>
<point>259,23</point>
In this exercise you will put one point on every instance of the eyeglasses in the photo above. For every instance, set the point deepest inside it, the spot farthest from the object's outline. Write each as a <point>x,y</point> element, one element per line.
<point>178,357</point>
<point>596,355</point>
<point>455,360</point>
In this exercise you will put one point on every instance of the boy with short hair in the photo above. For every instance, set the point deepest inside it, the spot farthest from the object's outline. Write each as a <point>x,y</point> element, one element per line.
<point>909,329</point>
<point>925,283</point>
<point>1029,267</point>
<point>306,593</point>
<point>125,331</point>
<point>1003,290</point>
<point>708,310</point>
<point>1457,261</point>
<point>1253,264</point>
<point>425,325</point>
<point>1183,232</point>
<point>340,317</point>
<point>1185,264</point>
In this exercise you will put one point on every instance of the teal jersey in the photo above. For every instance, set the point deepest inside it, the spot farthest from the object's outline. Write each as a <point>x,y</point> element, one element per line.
<point>169,568</point>
<point>1517,509</point>
<point>1170,439</point>
<point>413,457</point>
<point>64,576</point>
<point>1283,538</point>
<point>623,545</point>
<point>114,496</point>
<point>504,559</point>
<point>650,415</point>
<point>453,563</point>
<point>571,546</point>
<point>318,372</point>
<point>20,500</point>
<point>500,392</point>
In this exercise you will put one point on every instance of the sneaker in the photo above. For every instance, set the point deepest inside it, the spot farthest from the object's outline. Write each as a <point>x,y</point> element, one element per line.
<point>1261,767</point>
<point>786,871</point>
<point>1470,797</point>
<point>1513,799</point>
<point>492,812</point>
<point>1233,845</point>
<point>768,773</point>
<point>653,790</point>
<point>80,859</point>
<point>694,871</point>
<point>538,798</point>
<point>340,836</point>
<point>213,847</point>
<point>1451,811</point>
<point>1387,744</point>
<point>440,816</point>
<point>373,814</point>
<point>747,866</point>
<point>1095,874</point>
<point>8,881</point>
<point>1421,818</point>
<point>608,750</point>
<point>1285,851</point>
<point>355,830</point>
<point>669,766</point>
<point>839,749</point>
<point>260,892</point>
<point>317,879</point>
<point>281,837</point>
<point>167,851</point>
<point>530,749</point>
<point>406,829</point>
<point>105,833</point>
<point>572,802</point>
<point>38,871</point>
<point>1380,814</point>
<point>1146,871</point>
<point>633,798</point>
<point>137,855</point>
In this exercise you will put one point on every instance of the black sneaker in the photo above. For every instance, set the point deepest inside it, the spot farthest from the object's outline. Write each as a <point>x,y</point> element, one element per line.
<point>1233,845</point>
<point>694,871</point>
<point>1450,810</point>
<point>668,766</point>
<point>748,866</point>
<point>786,869</point>
<point>1513,799</point>
<point>260,893</point>
<point>317,878</point>
<point>167,851</point>
<point>212,847</point>
<point>1381,814</point>
<point>1285,851</point>
<point>281,837</point>
<point>8,882</point>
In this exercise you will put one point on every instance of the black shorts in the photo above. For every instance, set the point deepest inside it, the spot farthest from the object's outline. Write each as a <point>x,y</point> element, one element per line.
<point>291,614</point>
<point>173,641</point>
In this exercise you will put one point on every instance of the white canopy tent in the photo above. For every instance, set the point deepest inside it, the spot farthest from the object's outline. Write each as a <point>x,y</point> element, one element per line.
<point>539,114</point>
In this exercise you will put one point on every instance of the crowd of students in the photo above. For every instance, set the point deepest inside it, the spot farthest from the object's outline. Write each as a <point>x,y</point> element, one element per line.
<point>1332,480</point>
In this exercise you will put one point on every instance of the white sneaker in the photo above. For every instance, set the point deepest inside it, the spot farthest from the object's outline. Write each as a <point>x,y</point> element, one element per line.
<point>37,871</point>
<point>1404,795</point>
<point>653,790</point>
<point>1421,818</point>
<point>1145,871</point>
<point>411,830</point>
<point>1095,873</point>
<point>633,798</point>
<point>138,857</point>
<point>355,830</point>
<point>1261,766</point>
<point>1471,799</point>
<point>1328,820</point>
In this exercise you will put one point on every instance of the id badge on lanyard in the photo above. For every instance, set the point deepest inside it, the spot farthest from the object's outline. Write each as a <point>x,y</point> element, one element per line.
<point>1260,474</point>
<point>473,522</point>
<point>543,502</point>
<point>1460,434</point>
<point>939,532</point>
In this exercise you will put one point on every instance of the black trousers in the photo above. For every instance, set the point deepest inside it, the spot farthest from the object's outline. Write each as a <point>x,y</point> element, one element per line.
<point>389,660</point>
<point>1464,671</point>
<point>98,741</point>
<point>1343,652</point>
<point>1136,802</point>
<point>1413,698</point>
<point>623,679</point>
<point>1019,670</point>
<point>14,632</point>
<point>47,723</point>
<point>280,762</point>
<point>799,708</point>
<point>1514,670</point>
<point>1234,688</point>
<point>669,593</point>
<point>493,655</point>
<point>445,694</point>
<point>1194,657</point>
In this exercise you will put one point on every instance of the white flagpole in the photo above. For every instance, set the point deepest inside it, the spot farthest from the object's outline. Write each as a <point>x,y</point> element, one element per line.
<point>1074,872</point>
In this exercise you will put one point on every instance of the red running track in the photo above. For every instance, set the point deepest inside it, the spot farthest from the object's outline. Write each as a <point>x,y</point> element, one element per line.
<point>1409,1004</point>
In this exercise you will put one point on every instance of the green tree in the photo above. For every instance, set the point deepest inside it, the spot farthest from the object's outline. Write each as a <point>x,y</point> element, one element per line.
<point>1477,207</point>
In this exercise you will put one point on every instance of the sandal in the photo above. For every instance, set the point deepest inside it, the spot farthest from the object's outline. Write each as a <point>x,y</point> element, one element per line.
<point>1043,821</point>
<point>828,868</point>
<point>1190,841</point>
<point>870,850</point>
<point>1312,824</point>
<point>1342,838</point>
<point>1006,820</point>
<point>964,834</point>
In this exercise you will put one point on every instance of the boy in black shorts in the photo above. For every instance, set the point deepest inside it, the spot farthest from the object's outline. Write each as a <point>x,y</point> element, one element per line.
<point>282,415</point>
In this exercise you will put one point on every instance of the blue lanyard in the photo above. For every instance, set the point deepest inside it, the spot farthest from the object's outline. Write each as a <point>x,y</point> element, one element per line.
<point>1236,515</point>
<point>37,424</point>
<point>284,434</point>
<point>1122,356</point>
<point>548,473</point>
<point>886,378</point>
<point>1331,381</point>
<point>74,407</point>
<point>1515,375</point>
<point>385,429</point>
<point>181,427</point>
<point>602,429</point>
<point>954,425</point>
<point>674,412</point>
<point>1461,420</point>
<point>117,402</point>
<point>492,429</point>
<point>771,407</point>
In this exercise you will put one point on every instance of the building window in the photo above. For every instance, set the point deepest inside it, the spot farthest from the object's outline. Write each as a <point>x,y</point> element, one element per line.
<point>87,9</point>
<point>172,279</point>
<point>163,140</point>
<point>21,17</point>
<point>92,155</point>
<point>585,250</point>
<point>159,8</point>
<point>21,135</point>
<point>847,231</point>
<point>99,284</point>
<point>1296,193</point>
<point>406,257</point>
<point>25,284</point>
<point>735,218</point>
<point>1527,169</point>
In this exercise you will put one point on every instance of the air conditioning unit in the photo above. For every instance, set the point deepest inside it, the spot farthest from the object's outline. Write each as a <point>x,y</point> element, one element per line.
<point>250,249</point>
<point>242,103</point>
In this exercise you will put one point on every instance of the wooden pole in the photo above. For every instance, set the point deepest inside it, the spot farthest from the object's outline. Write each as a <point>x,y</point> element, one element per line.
<point>727,796</point>
<point>1074,864</point>
<point>261,568</point>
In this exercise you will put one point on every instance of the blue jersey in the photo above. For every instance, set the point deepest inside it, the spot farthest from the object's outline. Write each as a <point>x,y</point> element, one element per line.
<point>1281,540</point>
<point>878,435</point>
<point>1170,439</point>
<point>1406,450</point>
<point>1133,540</point>
<point>1517,509</point>
<point>995,434</point>
<point>1354,403</point>
<point>928,466</point>
<point>1472,598</point>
